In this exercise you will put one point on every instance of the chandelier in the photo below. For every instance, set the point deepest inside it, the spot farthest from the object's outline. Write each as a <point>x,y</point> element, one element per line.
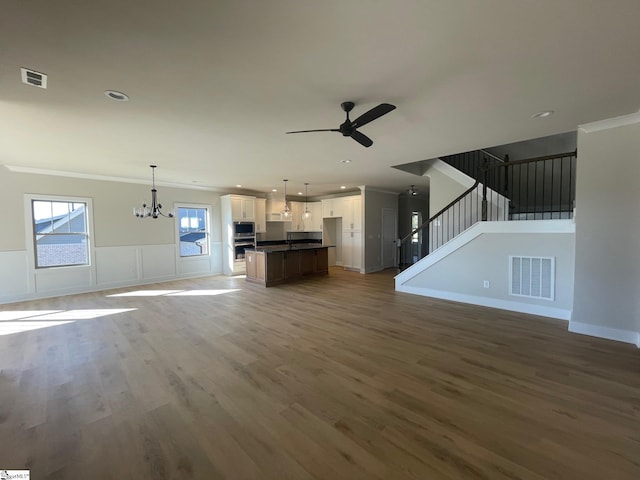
<point>155,210</point>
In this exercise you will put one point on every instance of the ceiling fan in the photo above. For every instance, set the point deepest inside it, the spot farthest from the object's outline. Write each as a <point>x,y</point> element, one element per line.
<point>349,127</point>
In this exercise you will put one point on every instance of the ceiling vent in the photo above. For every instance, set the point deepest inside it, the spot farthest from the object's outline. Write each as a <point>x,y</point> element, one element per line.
<point>33,78</point>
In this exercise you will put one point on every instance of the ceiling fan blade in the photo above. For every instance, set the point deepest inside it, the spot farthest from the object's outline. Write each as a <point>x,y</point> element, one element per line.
<point>321,130</point>
<point>371,115</point>
<point>361,138</point>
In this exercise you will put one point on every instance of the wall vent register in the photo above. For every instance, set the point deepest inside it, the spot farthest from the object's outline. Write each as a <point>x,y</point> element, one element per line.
<point>532,277</point>
<point>33,78</point>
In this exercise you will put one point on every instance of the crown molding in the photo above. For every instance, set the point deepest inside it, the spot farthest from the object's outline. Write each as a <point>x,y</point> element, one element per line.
<point>104,178</point>
<point>609,123</point>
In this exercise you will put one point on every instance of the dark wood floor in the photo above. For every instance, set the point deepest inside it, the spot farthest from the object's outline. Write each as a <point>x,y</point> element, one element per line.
<point>336,378</point>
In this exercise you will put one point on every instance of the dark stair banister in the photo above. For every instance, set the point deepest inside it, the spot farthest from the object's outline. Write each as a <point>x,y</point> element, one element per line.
<point>426,223</point>
<point>482,173</point>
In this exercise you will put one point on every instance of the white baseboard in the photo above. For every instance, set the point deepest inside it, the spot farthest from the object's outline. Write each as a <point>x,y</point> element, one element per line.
<point>532,309</point>
<point>626,336</point>
<point>378,268</point>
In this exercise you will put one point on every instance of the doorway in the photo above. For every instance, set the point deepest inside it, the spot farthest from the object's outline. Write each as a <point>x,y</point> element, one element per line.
<point>389,235</point>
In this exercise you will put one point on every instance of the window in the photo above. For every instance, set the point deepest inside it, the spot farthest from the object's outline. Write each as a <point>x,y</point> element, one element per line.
<point>193,230</point>
<point>415,223</point>
<point>60,233</point>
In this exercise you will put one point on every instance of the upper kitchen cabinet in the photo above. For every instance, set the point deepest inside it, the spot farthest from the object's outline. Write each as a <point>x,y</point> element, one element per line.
<point>314,223</point>
<point>332,207</point>
<point>296,224</point>
<point>243,208</point>
<point>261,215</point>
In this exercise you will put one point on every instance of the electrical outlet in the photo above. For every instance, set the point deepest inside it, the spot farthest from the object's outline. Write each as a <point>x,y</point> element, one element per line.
<point>485,284</point>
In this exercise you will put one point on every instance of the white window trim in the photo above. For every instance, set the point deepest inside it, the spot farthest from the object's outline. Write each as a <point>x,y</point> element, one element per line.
<point>192,258</point>
<point>29,235</point>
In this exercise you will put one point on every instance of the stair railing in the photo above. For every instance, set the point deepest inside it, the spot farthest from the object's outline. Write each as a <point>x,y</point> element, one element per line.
<point>455,217</point>
<point>503,190</point>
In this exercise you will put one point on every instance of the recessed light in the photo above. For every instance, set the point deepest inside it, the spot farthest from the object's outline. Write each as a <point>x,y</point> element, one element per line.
<point>274,189</point>
<point>543,114</point>
<point>299,193</point>
<point>346,160</point>
<point>115,95</point>
<point>342,187</point>
<point>238,186</point>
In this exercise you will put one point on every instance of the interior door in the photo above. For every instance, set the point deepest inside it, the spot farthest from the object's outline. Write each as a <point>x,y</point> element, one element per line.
<point>389,228</point>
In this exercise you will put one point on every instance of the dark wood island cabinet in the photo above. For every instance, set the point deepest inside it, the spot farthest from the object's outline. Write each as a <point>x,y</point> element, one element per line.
<point>283,263</point>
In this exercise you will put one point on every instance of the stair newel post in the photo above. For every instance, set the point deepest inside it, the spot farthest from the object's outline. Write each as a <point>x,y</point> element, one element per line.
<point>485,178</point>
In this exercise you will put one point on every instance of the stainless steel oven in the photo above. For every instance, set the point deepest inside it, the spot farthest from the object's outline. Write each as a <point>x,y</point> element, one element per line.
<point>244,236</point>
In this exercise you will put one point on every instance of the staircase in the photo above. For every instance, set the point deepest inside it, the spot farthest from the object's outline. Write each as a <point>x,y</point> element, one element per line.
<point>541,188</point>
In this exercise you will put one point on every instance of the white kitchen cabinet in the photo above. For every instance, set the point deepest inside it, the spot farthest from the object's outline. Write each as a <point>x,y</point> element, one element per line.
<point>352,250</point>
<point>332,207</point>
<point>296,224</point>
<point>261,215</point>
<point>242,208</point>
<point>352,213</point>
<point>314,223</point>
<point>235,208</point>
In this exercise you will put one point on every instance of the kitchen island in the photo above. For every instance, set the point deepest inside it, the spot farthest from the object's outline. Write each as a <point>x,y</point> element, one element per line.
<point>272,265</point>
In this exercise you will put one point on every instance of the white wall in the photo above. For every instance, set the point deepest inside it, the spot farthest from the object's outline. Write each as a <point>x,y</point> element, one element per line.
<point>127,251</point>
<point>458,270</point>
<point>445,184</point>
<point>607,287</point>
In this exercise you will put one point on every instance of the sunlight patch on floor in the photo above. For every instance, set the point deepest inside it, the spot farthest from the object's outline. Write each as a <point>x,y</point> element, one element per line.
<point>7,328</point>
<point>191,293</point>
<point>145,293</point>
<point>174,293</point>
<point>25,320</point>
<point>17,314</point>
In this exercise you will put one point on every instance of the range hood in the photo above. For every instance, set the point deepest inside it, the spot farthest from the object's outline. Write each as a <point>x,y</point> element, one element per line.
<point>274,207</point>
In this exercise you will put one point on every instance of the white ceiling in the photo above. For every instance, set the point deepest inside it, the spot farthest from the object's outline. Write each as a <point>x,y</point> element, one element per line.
<point>215,84</point>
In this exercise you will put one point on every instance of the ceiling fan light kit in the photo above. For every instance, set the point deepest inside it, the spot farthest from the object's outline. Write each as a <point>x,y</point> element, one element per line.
<point>349,128</point>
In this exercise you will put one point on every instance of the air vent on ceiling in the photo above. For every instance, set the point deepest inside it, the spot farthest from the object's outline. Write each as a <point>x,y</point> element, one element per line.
<point>33,78</point>
<point>532,277</point>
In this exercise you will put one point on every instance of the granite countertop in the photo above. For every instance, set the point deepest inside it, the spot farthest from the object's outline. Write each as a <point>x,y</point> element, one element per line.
<point>286,248</point>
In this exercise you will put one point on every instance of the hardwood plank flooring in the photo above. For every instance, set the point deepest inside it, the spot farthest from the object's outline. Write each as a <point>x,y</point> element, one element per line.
<point>337,377</point>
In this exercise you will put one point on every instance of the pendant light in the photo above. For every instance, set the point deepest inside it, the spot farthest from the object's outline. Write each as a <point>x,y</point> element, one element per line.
<point>307,214</point>
<point>286,213</point>
<point>155,210</point>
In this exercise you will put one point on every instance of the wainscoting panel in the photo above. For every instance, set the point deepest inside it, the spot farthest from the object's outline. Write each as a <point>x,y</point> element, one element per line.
<point>50,282</point>
<point>158,262</point>
<point>117,266</point>
<point>194,266</point>
<point>114,267</point>
<point>14,276</point>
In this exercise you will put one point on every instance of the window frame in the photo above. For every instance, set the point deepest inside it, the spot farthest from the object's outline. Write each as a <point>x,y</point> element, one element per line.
<point>31,235</point>
<point>207,219</point>
<point>416,238</point>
